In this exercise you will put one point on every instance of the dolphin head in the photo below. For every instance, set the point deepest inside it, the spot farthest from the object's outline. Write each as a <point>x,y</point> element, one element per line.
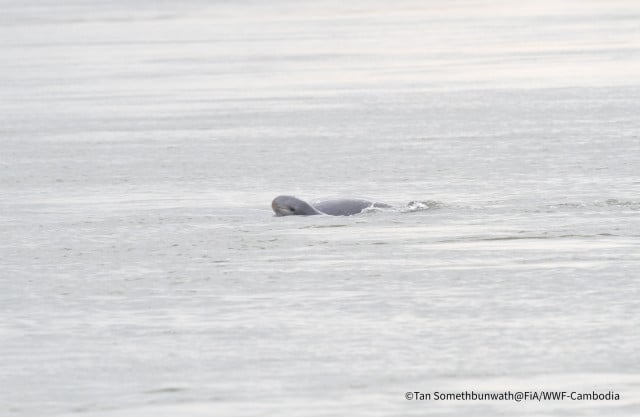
<point>286,205</point>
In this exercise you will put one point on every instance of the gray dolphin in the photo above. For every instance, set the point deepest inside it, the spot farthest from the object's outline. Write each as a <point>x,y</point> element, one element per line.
<point>286,205</point>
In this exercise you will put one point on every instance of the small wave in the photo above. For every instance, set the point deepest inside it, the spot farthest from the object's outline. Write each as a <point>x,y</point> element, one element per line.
<point>323,226</point>
<point>566,205</point>
<point>546,236</point>
<point>612,202</point>
<point>164,390</point>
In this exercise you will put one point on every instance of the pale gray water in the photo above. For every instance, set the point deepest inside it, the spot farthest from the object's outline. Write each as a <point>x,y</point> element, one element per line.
<point>142,270</point>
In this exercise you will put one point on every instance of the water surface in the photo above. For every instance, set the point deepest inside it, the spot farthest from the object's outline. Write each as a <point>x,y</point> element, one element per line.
<point>144,274</point>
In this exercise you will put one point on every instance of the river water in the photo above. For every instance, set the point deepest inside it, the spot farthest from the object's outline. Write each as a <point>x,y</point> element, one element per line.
<point>142,272</point>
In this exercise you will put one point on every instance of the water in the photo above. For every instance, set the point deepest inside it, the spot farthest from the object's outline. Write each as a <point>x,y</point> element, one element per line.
<point>142,270</point>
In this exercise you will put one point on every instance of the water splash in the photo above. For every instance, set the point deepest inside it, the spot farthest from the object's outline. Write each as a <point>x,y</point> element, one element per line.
<point>414,206</point>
